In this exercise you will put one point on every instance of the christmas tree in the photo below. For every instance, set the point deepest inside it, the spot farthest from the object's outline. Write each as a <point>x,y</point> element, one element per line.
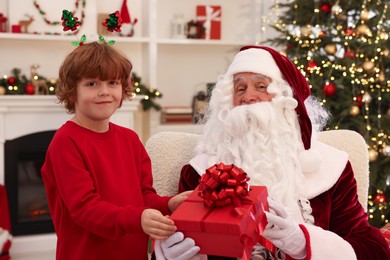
<point>342,47</point>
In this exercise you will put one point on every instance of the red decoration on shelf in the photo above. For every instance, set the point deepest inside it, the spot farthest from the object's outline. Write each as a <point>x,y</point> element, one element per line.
<point>210,16</point>
<point>329,89</point>
<point>3,23</point>
<point>11,80</point>
<point>126,20</point>
<point>29,89</point>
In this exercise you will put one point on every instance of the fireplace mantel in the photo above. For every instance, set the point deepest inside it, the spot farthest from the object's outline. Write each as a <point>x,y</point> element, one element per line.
<point>23,114</point>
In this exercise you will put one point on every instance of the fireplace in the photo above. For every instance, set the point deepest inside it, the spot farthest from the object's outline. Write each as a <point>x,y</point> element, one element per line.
<point>24,157</point>
<point>27,124</point>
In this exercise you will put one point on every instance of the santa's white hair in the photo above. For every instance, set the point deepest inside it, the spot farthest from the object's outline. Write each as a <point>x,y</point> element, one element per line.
<point>262,138</point>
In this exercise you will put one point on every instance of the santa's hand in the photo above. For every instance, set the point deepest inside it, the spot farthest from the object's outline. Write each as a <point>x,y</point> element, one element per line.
<point>284,232</point>
<point>176,247</point>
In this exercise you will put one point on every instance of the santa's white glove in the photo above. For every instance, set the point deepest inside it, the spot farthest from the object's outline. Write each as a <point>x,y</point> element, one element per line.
<point>176,247</point>
<point>284,232</point>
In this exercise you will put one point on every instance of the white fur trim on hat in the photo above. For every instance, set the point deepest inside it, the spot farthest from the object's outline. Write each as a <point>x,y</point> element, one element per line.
<point>257,61</point>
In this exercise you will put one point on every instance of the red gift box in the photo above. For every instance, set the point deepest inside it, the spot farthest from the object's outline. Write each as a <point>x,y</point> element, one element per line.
<point>210,16</point>
<point>229,231</point>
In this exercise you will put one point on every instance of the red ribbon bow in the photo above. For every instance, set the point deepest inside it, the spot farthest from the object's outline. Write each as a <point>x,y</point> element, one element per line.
<point>223,185</point>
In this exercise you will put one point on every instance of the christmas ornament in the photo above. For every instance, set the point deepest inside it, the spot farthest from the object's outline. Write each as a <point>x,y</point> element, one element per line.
<point>349,31</point>
<point>113,22</point>
<point>364,15</point>
<point>368,65</point>
<point>69,21</point>
<point>359,101</point>
<point>336,9</point>
<point>330,48</point>
<point>367,98</point>
<point>329,89</point>
<point>362,29</point>
<point>350,54</point>
<point>311,66</point>
<point>355,110</point>
<point>380,198</point>
<point>372,155</point>
<point>306,30</point>
<point>29,89</point>
<point>326,8</point>
<point>11,80</point>
<point>386,150</point>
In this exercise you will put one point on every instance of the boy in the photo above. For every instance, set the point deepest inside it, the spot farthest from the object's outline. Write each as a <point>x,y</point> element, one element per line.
<point>97,174</point>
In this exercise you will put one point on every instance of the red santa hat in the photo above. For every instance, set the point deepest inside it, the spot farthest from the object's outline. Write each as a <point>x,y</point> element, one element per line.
<point>269,62</point>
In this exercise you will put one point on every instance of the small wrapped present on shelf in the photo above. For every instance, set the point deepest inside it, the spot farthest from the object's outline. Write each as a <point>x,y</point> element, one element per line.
<point>210,16</point>
<point>223,215</point>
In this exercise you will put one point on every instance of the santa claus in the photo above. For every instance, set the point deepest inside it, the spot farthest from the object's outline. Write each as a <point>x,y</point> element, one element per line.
<point>260,119</point>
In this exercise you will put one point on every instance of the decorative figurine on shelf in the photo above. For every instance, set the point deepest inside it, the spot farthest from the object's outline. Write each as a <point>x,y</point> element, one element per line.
<point>3,23</point>
<point>195,30</point>
<point>178,27</point>
<point>39,84</point>
<point>24,24</point>
<point>199,104</point>
<point>127,23</point>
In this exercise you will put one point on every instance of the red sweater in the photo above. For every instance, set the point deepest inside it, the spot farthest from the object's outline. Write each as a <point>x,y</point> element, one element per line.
<point>97,186</point>
<point>336,210</point>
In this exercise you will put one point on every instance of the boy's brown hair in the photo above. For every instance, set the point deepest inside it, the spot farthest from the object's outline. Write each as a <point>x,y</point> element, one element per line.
<point>92,60</point>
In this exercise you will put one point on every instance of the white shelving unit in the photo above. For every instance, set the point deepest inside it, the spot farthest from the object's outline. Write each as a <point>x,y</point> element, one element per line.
<point>178,68</point>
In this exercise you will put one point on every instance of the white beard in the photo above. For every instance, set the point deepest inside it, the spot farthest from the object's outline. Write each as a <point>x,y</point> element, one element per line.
<point>263,140</point>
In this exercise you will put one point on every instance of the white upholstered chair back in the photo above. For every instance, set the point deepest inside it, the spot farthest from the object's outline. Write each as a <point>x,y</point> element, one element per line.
<point>169,151</point>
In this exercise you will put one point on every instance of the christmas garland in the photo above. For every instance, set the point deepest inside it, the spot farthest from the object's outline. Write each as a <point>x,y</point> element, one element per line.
<point>54,23</point>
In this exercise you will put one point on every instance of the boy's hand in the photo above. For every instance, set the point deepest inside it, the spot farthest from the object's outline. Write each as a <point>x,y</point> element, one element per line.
<point>175,201</point>
<point>156,225</point>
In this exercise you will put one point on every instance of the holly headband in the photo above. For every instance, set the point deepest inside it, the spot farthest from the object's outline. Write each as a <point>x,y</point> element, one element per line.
<point>112,23</point>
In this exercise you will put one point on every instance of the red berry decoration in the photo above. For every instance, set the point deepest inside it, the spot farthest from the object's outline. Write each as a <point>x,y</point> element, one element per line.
<point>29,89</point>
<point>329,89</point>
